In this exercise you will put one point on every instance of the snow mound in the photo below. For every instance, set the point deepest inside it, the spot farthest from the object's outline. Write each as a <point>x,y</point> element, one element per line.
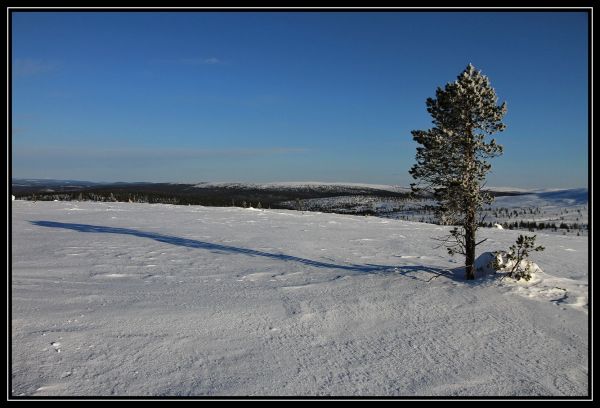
<point>558,290</point>
<point>484,264</point>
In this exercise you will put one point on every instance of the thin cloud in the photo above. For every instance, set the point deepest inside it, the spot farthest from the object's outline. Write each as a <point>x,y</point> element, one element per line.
<point>194,61</point>
<point>148,153</point>
<point>23,67</point>
<point>202,61</point>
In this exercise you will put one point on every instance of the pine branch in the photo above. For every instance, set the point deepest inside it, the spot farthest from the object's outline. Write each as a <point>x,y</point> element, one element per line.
<point>481,242</point>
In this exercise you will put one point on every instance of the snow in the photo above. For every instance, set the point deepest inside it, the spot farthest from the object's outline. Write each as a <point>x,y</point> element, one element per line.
<point>560,208</point>
<point>304,185</point>
<point>484,264</point>
<point>134,299</point>
<point>569,197</point>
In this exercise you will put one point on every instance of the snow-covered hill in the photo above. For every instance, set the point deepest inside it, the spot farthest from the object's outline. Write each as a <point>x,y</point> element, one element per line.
<point>561,198</point>
<point>307,186</point>
<point>145,300</point>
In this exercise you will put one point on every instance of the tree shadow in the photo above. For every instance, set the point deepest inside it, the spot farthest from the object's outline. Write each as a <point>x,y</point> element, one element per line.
<point>404,270</point>
<point>415,271</point>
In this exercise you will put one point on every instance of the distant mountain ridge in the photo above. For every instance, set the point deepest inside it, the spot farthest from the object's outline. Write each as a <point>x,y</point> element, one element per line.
<point>306,185</point>
<point>577,194</point>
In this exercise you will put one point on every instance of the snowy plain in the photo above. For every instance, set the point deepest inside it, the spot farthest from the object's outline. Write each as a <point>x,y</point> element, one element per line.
<point>133,299</point>
<point>305,185</point>
<point>548,206</point>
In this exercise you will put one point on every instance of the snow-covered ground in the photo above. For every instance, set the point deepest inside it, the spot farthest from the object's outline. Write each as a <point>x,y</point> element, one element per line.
<point>146,300</point>
<point>554,207</point>
<point>294,185</point>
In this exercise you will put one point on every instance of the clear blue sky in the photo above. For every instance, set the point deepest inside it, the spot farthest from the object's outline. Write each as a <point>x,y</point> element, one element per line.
<point>296,96</point>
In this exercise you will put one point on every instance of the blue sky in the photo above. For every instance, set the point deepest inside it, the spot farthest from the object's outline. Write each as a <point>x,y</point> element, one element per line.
<point>295,96</point>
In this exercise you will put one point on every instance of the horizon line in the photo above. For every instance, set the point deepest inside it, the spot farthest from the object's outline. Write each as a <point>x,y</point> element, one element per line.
<point>302,182</point>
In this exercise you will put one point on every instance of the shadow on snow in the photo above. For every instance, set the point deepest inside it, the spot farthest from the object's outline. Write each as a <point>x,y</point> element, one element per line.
<point>403,270</point>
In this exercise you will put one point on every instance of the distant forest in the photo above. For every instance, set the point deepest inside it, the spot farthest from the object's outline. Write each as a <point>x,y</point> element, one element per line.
<point>276,198</point>
<point>187,194</point>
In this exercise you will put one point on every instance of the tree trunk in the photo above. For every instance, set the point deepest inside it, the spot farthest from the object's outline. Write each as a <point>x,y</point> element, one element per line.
<point>470,228</point>
<point>470,211</point>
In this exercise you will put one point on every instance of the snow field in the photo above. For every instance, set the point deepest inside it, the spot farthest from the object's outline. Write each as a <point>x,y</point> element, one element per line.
<point>147,300</point>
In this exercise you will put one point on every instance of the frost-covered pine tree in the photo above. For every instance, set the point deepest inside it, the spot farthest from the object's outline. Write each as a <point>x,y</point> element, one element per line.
<point>451,161</point>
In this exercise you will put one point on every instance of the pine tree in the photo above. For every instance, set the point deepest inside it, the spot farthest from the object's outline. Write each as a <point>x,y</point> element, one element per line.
<point>451,161</point>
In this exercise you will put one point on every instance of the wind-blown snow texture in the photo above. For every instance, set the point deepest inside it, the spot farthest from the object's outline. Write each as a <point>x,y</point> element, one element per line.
<point>146,300</point>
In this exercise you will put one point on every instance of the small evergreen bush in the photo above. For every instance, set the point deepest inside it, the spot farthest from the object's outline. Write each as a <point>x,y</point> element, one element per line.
<point>519,267</point>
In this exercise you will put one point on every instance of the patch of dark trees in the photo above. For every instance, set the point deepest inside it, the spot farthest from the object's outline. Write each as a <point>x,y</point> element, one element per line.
<point>187,194</point>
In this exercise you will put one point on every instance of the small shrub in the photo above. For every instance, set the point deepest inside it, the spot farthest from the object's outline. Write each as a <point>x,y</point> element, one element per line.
<point>515,261</point>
